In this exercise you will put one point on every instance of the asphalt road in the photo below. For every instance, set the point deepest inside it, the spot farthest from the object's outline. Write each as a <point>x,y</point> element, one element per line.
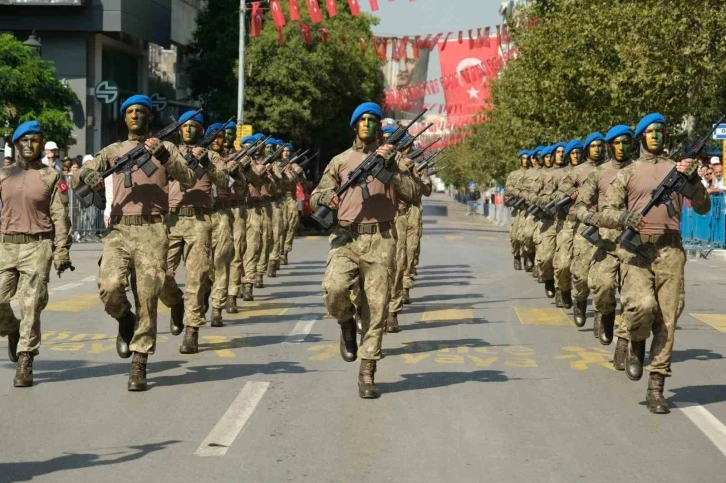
<point>486,382</point>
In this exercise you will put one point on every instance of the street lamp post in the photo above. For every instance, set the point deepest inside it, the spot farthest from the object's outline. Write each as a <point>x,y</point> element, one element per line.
<point>241,63</point>
<point>34,42</point>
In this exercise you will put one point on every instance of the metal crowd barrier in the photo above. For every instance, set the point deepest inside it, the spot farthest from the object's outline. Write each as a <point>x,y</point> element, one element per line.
<point>705,232</point>
<point>86,223</point>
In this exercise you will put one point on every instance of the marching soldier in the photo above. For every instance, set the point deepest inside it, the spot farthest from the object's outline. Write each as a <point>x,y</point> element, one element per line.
<point>529,182</point>
<point>652,279</point>
<point>559,173</point>
<point>511,189</point>
<point>547,232</point>
<point>293,214</point>
<point>34,221</point>
<point>289,205</point>
<point>363,244</point>
<point>414,220</point>
<point>267,193</point>
<point>253,213</point>
<point>137,238</point>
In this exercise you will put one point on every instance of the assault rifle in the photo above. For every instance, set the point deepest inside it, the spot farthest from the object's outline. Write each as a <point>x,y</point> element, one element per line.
<point>248,150</point>
<point>272,156</point>
<point>558,206</point>
<point>307,161</point>
<point>674,182</point>
<point>138,157</point>
<point>293,159</point>
<point>373,166</point>
<point>430,161</point>
<point>409,142</point>
<point>417,153</point>
<point>192,161</point>
<point>537,212</point>
<point>436,171</point>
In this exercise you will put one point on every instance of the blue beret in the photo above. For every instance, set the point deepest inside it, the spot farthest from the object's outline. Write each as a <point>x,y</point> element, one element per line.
<point>213,127</point>
<point>390,129</point>
<point>190,115</point>
<point>616,131</point>
<point>595,136</point>
<point>230,125</point>
<point>524,152</point>
<point>365,108</point>
<point>651,118</point>
<point>555,147</point>
<point>135,99</point>
<point>279,142</point>
<point>547,150</point>
<point>247,140</point>
<point>289,146</point>
<point>537,150</point>
<point>572,145</point>
<point>258,135</point>
<point>272,141</point>
<point>28,127</point>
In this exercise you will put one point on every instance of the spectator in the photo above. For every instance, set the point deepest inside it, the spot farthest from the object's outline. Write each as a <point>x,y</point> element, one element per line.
<point>8,161</point>
<point>66,169</point>
<point>74,167</point>
<point>718,176</point>
<point>710,182</point>
<point>51,157</point>
<point>86,159</point>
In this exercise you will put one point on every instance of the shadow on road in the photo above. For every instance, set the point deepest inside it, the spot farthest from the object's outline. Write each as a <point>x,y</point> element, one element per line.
<point>429,380</point>
<point>293,273</point>
<point>697,354</point>
<point>439,276</point>
<point>28,470</point>
<point>420,347</point>
<point>435,267</point>
<point>443,323</point>
<point>225,372</point>
<point>252,341</point>
<point>708,394</point>
<point>60,371</point>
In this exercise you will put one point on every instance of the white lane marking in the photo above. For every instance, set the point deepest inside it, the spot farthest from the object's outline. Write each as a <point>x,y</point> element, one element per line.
<point>225,432</point>
<point>714,429</point>
<point>92,278</point>
<point>301,330</point>
<point>67,286</point>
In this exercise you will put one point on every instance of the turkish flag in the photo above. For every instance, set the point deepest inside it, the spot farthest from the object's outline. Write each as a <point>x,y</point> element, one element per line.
<point>63,186</point>
<point>314,9</point>
<point>464,78</point>
<point>306,34</point>
<point>374,5</point>
<point>294,10</point>
<point>354,7</point>
<point>256,19</point>
<point>277,16</point>
<point>332,8</point>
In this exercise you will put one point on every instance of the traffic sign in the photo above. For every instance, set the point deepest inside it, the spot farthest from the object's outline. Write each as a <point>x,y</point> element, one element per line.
<point>158,102</point>
<point>106,92</point>
<point>720,132</point>
<point>244,130</point>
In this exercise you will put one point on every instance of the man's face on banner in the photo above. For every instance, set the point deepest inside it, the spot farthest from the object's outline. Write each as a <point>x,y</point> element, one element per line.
<point>399,73</point>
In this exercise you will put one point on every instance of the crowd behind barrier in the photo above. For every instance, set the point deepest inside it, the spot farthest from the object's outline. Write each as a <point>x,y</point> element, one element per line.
<point>86,223</point>
<point>705,232</point>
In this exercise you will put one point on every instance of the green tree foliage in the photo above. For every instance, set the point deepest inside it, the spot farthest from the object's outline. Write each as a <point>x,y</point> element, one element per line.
<point>294,91</point>
<point>586,66</point>
<point>29,89</point>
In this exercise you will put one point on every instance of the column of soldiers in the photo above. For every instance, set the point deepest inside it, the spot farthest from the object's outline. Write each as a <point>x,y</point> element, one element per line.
<point>228,216</point>
<point>568,218</point>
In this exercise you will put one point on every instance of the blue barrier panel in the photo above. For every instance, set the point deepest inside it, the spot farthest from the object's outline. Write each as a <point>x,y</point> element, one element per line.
<point>705,231</point>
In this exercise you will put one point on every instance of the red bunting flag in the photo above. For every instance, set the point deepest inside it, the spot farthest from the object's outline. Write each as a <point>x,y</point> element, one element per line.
<point>487,34</point>
<point>354,7</point>
<point>374,5</point>
<point>416,44</point>
<point>294,10</point>
<point>323,34</point>
<point>256,26</point>
<point>471,39</point>
<point>314,9</point>
<point>332,8</point>
<point>461,36</point>
<point>443,44</point>
<point>307,36</point>
<point>277,16</point>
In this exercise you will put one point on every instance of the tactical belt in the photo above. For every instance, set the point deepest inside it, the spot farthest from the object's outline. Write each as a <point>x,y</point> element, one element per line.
<point>23,238</point>
<point>190,211</point>
<point>663,239</point>
<point>366,228</point>
<point>136,220</point>
<point>254,203</point>
<point>223,205</point>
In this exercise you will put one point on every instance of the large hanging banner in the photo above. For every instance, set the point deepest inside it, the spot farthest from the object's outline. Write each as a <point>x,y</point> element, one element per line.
<point>405,65</point>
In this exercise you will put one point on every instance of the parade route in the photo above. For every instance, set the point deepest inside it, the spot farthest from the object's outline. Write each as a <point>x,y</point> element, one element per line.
<point>487,381</point>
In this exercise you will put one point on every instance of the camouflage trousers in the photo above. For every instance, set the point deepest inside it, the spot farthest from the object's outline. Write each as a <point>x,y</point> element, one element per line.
<point>413,241</point>
<point>223,253</point>
<point>359,271</point>
<point>526,235</point>
<point>25,271</point>
<point>399,264</point>
<point>419,236</point>
<point>293,222</point>
<point>266,241</point>
<point>603,277</point>
<point>277,226</point>
<point>237,266</point>
<point>563,254</point>
<point>546,239</point>
<point>653,292</point>
<point>190,240</point>
<point>142,249</point>
<point>582,254</point>
<point>514,228</point>
<point>254,237</point>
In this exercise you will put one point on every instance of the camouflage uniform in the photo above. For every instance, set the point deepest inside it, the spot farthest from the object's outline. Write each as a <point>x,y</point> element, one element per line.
<point>360,264</point>
<point>137,238</point>
<point>547,228</point>
<point>293,215</point>
<point>413,232</point>
<point>652,283</point>
<point>565,234</point>
<point>26,245</point>
<point>530,181</point>
<point>266,240</point>
<point>510,187</point>
<point>276,221</point>
<point>223,248</point>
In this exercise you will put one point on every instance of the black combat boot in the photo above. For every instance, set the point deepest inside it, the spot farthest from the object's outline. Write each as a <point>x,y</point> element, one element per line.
<point>567,299</point>
<point>621,352</point>
<point>550,288</point>
<point>580,312</point>
<point>137,376</point>
<point>366,381</point>
<point>176,323</point>
<point>217,318</point>
<point>190,344</point>
<point>348,342</point>
<point>13,339</point>
<point>607,327</point>
<point>634,360</point>
<point>406,297</point>
<point>517,263</point>
<point>24,371</point>
<point>231,305</point>
<point>654,396</point>
<point>528,264</point>
<point>596,327</point>
<point>247,294</point>
<point>392,323</point>
<point>283,259</point>
<point>277,265</point>
<point>271,269</point>
<point>258,281</point>
<point>126,326</point>
<point>558,299</point>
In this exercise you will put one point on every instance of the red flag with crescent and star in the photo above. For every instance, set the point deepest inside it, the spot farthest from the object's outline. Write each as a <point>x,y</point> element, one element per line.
<point>294,8</point>
<point>332,8</point>
<point>256,19</point>
<point>354,7</point>
<point>277,16</point>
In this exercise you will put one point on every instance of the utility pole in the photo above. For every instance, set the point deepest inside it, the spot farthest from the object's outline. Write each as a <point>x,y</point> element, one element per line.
<point>241,63</point>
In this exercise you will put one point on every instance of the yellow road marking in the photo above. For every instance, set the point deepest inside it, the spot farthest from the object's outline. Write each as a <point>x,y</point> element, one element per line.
<point>453,237</point>
<point>488,238</point>
<point>447,314</point>
<point>600,357</point>
<point>78,303</point>
<point>324,351</point>
<point>540,316</point>
<point>717,321</point>
<point>219,339</point>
